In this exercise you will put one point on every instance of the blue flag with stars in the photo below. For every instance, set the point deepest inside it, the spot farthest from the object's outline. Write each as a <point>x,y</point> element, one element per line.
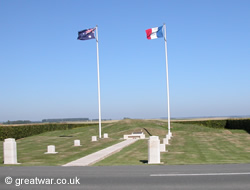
<point>86,34</point>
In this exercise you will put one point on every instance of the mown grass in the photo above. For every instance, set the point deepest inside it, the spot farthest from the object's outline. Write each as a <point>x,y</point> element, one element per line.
<point>30,150</point>
<point>191,144</point>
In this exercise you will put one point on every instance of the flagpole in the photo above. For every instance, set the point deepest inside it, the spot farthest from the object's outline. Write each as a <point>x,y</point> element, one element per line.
<point>98,78</point>
<point>166,53</point>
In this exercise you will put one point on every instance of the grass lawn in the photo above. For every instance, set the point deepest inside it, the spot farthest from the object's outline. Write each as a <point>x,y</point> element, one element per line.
<point>30,150</point>
<point>191,144</point>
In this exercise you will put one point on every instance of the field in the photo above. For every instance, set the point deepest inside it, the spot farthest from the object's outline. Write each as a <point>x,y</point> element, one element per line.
<point>191,144</point>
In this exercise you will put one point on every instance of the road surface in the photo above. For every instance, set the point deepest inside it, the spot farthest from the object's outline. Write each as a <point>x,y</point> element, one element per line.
<point>188,177</point>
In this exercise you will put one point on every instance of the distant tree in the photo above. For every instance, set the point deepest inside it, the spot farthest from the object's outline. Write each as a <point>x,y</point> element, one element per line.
<point>17,122</point>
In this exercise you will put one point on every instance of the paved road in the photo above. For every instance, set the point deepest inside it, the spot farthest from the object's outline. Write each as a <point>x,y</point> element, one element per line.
<point>188,177</point>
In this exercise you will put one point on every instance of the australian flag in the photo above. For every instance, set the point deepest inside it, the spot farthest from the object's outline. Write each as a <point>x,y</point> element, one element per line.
<point>86,34</point>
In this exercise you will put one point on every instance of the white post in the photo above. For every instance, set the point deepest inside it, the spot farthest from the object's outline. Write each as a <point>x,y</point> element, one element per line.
<point>51,149</point>
<point>77,143</point>
<point>10,151</point>
<point>162,147</point>
<point>166,53</point>
<point>94,138</point>
<point>165,140</point>
<point>154,156</point>
<point>98,78</point>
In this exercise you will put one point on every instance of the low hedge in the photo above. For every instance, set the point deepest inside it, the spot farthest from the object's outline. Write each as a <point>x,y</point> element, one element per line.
<point>238,124</point>
<point>21,131</point>
<point>207,123</point>
<point>242,124</point>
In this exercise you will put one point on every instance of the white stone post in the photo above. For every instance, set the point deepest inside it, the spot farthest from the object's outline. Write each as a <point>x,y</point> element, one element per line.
<point>51,149</point>
<point>165,141</point>
<point>77,143</point>
<point>10,151</point>
<point>168,136</point>
<point>154,150</point>
<point>105,135</point>
<point>94,138</point>
<point>162,148</point>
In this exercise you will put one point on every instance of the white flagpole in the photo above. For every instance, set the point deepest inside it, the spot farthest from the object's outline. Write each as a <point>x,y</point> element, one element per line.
<point>98,78</point>
<point>166,53</point>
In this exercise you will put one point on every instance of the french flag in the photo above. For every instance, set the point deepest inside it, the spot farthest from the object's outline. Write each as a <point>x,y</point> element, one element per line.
<point>154,33</point>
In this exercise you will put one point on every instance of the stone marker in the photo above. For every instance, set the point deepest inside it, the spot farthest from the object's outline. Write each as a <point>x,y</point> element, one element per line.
<point>77,143</point>
<point>165,141</point>
<point>94,138</point>
<point>154,150</point>
<point>9,151</point>
<point>168,136</point>
<point>135,135</point>
<point>162,148</point>
<point>51,150</point>
<point>105,135</point>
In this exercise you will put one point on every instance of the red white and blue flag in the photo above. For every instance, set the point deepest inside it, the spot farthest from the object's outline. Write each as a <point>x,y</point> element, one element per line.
<point>154,33</point>
<point>86,34</point>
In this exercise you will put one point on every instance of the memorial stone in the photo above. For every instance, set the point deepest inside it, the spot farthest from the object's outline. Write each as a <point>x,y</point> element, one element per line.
<point>162,148</point>
<point>165,141</point>
<point>10,151</point>
<point>77,143</point>
<point>154,150</point>
<point>51,149</point>
<point>94,138</point>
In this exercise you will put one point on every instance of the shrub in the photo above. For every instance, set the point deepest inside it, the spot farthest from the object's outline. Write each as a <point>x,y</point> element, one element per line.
<point>21,131</point>
<point>207,123</point>
<point>242,124</point>
<point>238,124</point>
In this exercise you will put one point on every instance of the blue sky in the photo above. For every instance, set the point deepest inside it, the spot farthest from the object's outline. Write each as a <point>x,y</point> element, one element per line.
<point>47,73</point>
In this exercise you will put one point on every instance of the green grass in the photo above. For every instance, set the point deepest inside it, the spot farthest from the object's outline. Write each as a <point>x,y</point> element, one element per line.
<point>30,150</point>
<point>191,144</point>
